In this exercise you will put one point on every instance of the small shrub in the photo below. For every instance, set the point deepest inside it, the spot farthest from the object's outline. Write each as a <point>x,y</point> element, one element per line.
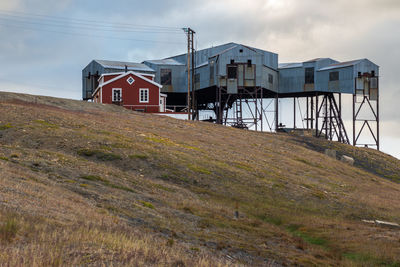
<point>101,155</point>
<point>187,210</point>
<point>86,152</point>
<point>270,219</point>
<point>178,263</point>
<point>9,229</point>
<point>147,204</point>
<point>94,178</point>
<point>5,126</point>
<point>46,124</point>
<point>107,156</point>
<point>122,188</point>
<point>138,156</point>
<point>199,169</point>
<point>4,158</point>
<point>170,242</point>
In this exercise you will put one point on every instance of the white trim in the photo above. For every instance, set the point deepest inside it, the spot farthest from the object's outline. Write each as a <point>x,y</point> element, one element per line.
<point>140,105</point>
<point>119,73</point>
<point>147,94</point>
<point>112,94</point>
<point>95,91</point>
<point>131,73</point>
<point>163,95</point>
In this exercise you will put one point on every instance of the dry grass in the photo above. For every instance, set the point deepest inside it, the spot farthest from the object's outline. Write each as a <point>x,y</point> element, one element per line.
<point>85,184</point>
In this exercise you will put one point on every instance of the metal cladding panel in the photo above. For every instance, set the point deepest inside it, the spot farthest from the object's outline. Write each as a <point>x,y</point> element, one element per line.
<point>345,84</point>
<point>232,86</point>
<point>178,77</point>
<point>203,55</point>
<point>204,73</point>
<point>265,82</point>
<point>348,73</point>
<point>366,66</point>
<point>241,55</point>
<point>87,85</point>
<point>291,80</point>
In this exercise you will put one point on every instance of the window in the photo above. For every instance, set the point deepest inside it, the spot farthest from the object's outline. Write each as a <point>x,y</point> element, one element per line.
<point>232,72</point>
<point>232,61</point>
<point>144,95</point>
<point>116,95</point>
<point>333,76</point>
<point>309,75</point>
<point>130,80</point>
<point>166,76</point>
<point>270,78</point>
<point>249,63</point>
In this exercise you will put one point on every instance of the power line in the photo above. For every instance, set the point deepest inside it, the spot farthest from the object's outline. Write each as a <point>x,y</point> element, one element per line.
<point>89,35</point>
<point>76,20</point>
<point>80,27</point>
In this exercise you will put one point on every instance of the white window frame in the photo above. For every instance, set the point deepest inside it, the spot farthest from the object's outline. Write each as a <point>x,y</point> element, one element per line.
<point>116,89</point>
<point>146,94</point>
<point>127,80</point>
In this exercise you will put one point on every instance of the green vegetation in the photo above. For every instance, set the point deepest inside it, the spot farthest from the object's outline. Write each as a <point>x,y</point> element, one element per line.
<point>101,155</point>
<point>147,204</point>
<point>46,124</point>
<point>138,156</point>
<point>106,182</point>
<point>8,229</point>
<point>296,230</point>
<point>5,126</point>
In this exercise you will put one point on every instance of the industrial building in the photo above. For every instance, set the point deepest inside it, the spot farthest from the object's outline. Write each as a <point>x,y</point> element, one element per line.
<point>228,78</point>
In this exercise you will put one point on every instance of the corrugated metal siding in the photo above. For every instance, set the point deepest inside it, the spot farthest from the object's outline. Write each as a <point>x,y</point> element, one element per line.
<point>345,84</point>
<point>291,80</point>
<point>178,79</point>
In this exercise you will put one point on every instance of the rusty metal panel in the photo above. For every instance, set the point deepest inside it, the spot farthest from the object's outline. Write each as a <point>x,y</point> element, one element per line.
<point>308,87</point>
<point>232,86</point>
<point>222,81</point>
<point>249,73</point>
<point>366,86</point>
<point>249,83</point>
<point>373,94</point>
<point>240,75</point>
<point>373,82</point>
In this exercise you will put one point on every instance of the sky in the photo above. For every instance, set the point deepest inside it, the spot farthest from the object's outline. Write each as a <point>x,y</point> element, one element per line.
<point>45,60</point>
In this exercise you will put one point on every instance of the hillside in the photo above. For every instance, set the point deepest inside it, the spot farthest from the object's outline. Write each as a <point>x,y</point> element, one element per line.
<point>84,184</point>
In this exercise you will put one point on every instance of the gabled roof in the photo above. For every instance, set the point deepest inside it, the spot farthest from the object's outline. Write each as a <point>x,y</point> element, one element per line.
<point>167,61</point>
<point>342,64</point>
<point>123,75</point>
<point>223,51</point>
<point>234,45</point>
<point>108,64</point>
<point>289,65</point>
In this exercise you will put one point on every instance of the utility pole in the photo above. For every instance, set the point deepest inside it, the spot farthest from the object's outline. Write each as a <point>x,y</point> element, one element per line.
<point>190,84</point>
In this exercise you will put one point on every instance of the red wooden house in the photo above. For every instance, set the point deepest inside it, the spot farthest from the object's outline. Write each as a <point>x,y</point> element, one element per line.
<point>131,90</point>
